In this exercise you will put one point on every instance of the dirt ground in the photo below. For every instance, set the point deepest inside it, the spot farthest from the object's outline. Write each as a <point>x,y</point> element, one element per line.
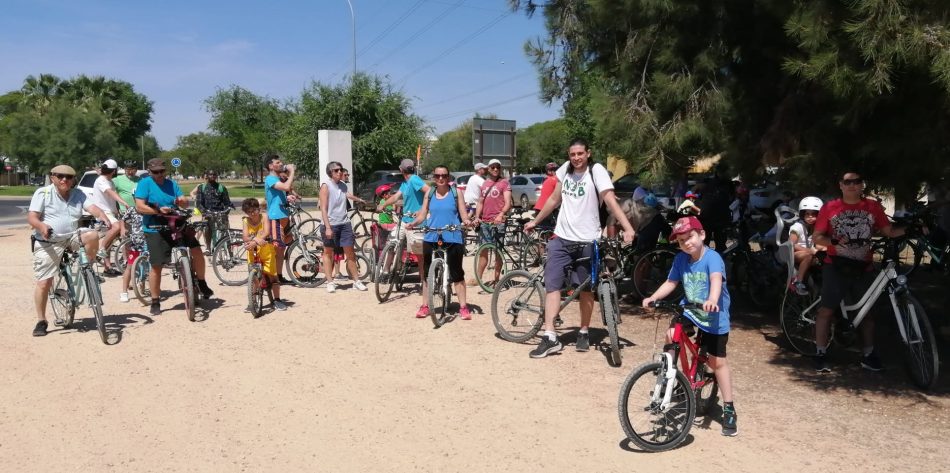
<point>342,383</point>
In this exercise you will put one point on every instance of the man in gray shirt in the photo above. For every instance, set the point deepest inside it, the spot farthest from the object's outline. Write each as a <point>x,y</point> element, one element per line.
<point>55,210</point>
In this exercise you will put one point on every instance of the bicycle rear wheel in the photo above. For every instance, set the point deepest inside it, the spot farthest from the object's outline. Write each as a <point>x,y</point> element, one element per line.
<point>255,293</point>
<point>187,285</point>
<point>607,295</point>
<point>229,262</point>
<point>304,267</point>
<point>118,251</point>
<point>310,226</point>
<point>494,257</point>
<point>140,271</point>
<point>59,300</point>
<point>364,268</point>
<point>798,322</point>
<point>95,301</point>
<point>652,270</point>
<point>439,294</point>
<point>922,358</point>
<point>644,419</point>
<point>517,306</point>
<point>385,272</point>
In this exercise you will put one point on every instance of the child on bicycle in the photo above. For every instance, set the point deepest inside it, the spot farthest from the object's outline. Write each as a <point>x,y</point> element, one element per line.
<point>133,229</point>
<point>689,207</point>
<point>386,224</point>
<point>800,237</point>
<point>255,240</point>
<point>703,274</point>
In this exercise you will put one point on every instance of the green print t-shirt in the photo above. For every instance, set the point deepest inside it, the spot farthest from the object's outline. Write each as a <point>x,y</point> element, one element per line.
<point>694,276</point>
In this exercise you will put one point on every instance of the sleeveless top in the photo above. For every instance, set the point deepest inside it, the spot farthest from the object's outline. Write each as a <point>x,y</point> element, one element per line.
<point>443,211</point>
<point>336,207</point>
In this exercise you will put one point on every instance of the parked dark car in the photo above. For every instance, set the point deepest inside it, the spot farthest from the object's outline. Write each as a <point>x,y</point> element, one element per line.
<point>367,191</point>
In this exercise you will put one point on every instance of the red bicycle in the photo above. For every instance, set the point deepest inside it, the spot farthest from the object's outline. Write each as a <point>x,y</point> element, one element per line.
<point>659,401</point>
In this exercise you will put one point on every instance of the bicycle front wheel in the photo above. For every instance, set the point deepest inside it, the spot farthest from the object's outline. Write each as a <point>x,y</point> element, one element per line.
<point>304,267</point>
<point>62,304</point>
<point>495,259</point>
<point>95,302</point>
<point>517,306</point>
<point>140,273</point>
<point>385,272</point>
<point>647,419</point>
<point>922,358</point>
<point>229,261</point>
<point>255,293</point>
<point>187,285</point>
<point>118,252</point>
<point>440,293</point>
<point>798,322</point>
<point>607,294</point>
<point>652,270</point>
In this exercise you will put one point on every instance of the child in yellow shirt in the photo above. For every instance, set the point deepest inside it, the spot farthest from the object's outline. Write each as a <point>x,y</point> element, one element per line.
<point>255,240</point>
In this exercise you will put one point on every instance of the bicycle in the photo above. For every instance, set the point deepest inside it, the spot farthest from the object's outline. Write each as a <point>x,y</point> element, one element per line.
<point>258,284</point>
<point>393,264</point>
<point>517,305</point>
<point>439,288</point>
<point>66,295</point>
<point>799,313</point>
<point>653,268</point>
<point>526,253</point>
<point>658,415</point>
<point>140,269</point>
<point>303,257</point>
<point>181,266</point>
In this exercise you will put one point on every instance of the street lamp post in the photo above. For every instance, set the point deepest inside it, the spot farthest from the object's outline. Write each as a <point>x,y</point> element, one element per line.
<point>353,18</point>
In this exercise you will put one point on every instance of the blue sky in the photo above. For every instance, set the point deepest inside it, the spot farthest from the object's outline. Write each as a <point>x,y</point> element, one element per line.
<point>451,58</point>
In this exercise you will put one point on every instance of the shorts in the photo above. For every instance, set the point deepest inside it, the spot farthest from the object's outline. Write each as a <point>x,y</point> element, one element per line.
<point>838,283</point>
<point>342,236</point>
<point>47,256</point>
<point>485,232</point>
<point>160,246</point>
<point>130,256</point>
<point>713,344</point>
<point>454,252</point>
<point>110,215</point>
<point>279,231</point>
<point>562,253</point>
<point>413,239</point>
<point>268,256</point>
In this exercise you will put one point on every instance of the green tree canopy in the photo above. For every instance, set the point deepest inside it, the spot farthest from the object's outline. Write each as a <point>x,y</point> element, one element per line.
<point>202,151</point>
<point>251,123</point>
<point>542,143</point>
<point>452,149</point>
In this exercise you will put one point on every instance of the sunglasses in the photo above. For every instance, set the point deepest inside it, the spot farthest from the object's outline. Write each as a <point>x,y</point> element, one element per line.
<point>494,166</point>
<point>63,176</point>
<point>337,169</point>
<point>852,182</point>
<point>157,171</point>
<point>440,176</point>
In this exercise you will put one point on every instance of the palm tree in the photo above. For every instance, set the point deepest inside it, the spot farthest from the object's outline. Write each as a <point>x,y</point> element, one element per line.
<point>40,92</point>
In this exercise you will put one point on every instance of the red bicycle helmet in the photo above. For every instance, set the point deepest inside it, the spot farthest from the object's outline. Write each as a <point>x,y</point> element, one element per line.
<point>691,195</point>
<point>382,189</point>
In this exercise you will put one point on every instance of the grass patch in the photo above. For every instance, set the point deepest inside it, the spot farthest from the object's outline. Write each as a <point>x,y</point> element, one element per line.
<point>240,189</point>
<point>18,191</point>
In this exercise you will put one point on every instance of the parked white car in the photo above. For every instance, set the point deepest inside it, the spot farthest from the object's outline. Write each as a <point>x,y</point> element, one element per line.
<point>526,189</point>
<point>767,196</point>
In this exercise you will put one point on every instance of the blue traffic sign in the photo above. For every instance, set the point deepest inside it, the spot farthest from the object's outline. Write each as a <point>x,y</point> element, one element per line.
<point>176,162</point>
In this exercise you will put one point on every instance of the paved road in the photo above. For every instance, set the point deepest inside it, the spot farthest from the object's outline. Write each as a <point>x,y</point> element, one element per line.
<point>13,211</point>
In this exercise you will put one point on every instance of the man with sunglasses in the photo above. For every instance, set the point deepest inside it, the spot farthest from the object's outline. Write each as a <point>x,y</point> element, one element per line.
<point>212,196</point>
<point>55,210</point>
<point>493,204</point>
<point>845,227</point>
<point>155,197</point>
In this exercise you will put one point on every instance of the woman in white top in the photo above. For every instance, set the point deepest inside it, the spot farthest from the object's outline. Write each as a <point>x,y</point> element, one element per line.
<point>107,199</point>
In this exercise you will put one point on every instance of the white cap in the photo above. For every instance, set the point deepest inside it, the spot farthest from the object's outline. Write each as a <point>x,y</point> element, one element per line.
<point>110,163</point>
<point>480,166</point>
<point>494,161</point>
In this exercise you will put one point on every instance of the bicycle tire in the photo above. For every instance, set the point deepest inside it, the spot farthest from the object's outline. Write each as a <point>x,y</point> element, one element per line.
<point>705,395</point>
<point>187,285</point>
<point>923,361</point>
<point>656,434</point>
<point>517,307</point>
<point>364,267</point>
<point>608,309</point>
<point>493,255</point>
<point>141,268</point>
<point>119,261</point>
<point>255,293</point>
<point>798,326</point>
<point>304,267</point>
<point>652,270</point>
<point>63,308</point>
<point>385,274</point>
<point>438,296</point>
<point>310,226</point>
<point>763,284</point>
<point>229,262</point>
<point>95,302</point>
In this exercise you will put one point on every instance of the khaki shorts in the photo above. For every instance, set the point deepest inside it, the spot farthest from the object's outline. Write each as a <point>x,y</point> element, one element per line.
<point>46,257</point>
<point>111,216</point>
<point>413,239</point>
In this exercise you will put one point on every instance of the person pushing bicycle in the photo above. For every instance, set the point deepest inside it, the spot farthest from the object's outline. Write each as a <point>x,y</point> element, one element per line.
<point>581,186</point>
<point>703,274</point>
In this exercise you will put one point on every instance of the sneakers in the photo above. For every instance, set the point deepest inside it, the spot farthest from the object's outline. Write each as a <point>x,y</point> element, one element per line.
<point>279,305</point>
<point>583,341</point>
<point>205,290</point>
<point>112,271</point>
<point>871,362</point>
<point>465,313</point>
<point>155,309</point>
<point>729,416</point>
<point>546,347</point>
<point>40,329</point>
<point>358,285</point>
<point>422,312</point>
<point>124,297</point>
<point>331,287</point>
<point>799,287</point>
<point>821,363</point>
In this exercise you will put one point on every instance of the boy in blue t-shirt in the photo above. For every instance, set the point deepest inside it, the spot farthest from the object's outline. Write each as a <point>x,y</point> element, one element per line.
<point>703,274</point>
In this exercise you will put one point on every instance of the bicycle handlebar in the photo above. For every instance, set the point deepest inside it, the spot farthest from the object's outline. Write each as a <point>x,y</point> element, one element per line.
<point>447,228</point>
<point>674,306</point>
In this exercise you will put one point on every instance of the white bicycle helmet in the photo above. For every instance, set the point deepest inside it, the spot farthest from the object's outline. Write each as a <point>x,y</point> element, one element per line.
<point>810,203</point>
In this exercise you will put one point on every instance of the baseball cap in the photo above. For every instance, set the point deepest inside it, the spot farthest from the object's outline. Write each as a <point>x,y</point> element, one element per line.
<point>494,161</point>
<point>684,225</point>
<point>480,166</point>
<point>156,164</point>
<point>110,163</point>
<point>131,163</point>
<point>63,169</point>
<point>407,164</point>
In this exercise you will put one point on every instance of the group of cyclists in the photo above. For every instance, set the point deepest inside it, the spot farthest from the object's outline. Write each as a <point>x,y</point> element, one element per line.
<point>572,199</point>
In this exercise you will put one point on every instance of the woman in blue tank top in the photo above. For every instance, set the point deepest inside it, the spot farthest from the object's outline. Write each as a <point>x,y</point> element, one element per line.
<point>444,205</point>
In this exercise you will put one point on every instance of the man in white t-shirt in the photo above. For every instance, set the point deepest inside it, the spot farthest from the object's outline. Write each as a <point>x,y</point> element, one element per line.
<point>107,199</point>
<point>580,189</point>
<point>473,189</point>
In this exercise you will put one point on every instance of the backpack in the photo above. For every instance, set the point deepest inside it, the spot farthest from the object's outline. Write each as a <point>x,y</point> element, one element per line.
<point>201,187</point>
<point>451,190</point>
<point>602,209</point>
